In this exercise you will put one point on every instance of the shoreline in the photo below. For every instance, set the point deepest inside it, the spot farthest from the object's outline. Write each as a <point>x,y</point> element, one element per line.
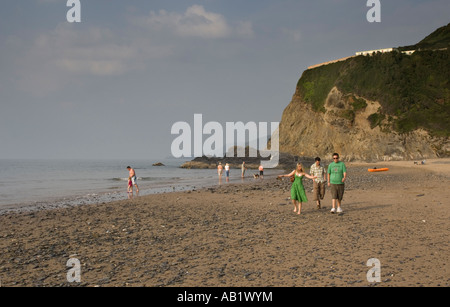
<point>243,235</point>
<point>115,194</point>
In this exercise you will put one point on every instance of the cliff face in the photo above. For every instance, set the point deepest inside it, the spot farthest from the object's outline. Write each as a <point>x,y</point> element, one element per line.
<point>388,106</point>
<point>349,131</point>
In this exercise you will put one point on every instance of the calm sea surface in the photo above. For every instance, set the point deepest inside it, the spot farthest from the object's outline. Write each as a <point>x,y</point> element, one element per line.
<point>36,184</point>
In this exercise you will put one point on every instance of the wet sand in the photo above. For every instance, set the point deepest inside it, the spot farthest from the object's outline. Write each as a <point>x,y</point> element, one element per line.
<point>244,235</point>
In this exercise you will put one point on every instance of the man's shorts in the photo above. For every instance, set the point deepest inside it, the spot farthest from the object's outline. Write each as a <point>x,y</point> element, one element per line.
<point>337,191</point>
<point>134,180</point>
<point>319,190</point>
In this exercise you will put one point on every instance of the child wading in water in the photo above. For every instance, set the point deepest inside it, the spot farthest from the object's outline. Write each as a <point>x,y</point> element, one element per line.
<point>298,194</point>
<point>130,185</point>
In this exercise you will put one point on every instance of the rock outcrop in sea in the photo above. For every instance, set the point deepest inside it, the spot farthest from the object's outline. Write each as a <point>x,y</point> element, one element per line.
<point>286,161</point>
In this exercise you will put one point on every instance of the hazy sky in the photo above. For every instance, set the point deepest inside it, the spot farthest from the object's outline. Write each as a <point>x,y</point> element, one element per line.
<point>113,85</point>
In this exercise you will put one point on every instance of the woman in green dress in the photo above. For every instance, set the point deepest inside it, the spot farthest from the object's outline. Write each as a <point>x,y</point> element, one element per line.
<point>298,194</point>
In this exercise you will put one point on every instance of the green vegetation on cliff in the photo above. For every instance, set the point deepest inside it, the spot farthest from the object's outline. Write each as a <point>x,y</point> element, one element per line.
<point>436,40</point>
<point>413,90</point>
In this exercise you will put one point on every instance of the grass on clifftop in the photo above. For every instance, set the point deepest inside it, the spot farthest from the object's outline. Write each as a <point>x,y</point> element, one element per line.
<point>414,91</point>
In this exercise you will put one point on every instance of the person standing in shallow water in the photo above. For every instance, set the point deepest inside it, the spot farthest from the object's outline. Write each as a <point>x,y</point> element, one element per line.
<point>132,175</point>
<point>298,195</point>
<point>261,172</point>
<point>220,170</point>
<point>227,172</point>
<point>243,168</point>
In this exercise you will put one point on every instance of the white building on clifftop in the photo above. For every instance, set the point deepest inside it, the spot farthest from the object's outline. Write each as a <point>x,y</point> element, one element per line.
<point>371,52</point>
<point>364,53</point>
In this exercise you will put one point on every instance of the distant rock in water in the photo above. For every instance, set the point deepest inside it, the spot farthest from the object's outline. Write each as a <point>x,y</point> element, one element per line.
<point>158,164</point>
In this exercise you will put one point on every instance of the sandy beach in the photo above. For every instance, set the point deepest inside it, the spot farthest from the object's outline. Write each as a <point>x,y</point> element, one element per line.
<point>244,235</point>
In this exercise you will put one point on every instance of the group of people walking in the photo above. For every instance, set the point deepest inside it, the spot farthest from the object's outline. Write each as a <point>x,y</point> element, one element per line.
<point>335,175</point>
<point>220,169</point>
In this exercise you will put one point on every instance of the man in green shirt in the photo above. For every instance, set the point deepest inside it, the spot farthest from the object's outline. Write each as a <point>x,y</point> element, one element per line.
<point>337,174</point>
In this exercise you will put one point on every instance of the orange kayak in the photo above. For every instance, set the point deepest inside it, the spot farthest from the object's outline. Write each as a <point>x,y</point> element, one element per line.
<point>378,170</point>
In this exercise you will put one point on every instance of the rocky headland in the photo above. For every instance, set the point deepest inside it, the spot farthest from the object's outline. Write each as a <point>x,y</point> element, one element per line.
<point>286,161</point>
<point>381,107</point>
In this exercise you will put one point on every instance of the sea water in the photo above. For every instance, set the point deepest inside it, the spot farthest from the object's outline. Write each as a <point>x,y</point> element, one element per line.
<point>40,184</point>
